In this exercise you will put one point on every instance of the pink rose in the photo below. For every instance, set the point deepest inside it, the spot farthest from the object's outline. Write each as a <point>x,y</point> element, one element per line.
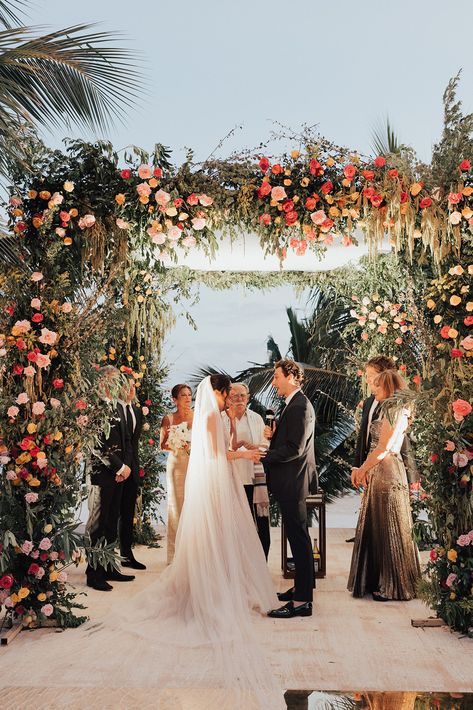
<point>31,498</point>
<point>82,420</point>
<point>47,609</point>
<point>43,360</point>
<point>40,573</point>
<point>26,547</point>
<point>47,337</point>
<point>61,232</point>
<point>470,535</point>
<point>33,568</point>
<point>364,335</point>
<point>22,326</point>
<point>35,303</point>
<point>198,223</point>
<point>162,198</point>
<point>45,543</point>
<point>87,221</point>
<point>189,242</point>
<point>22,398</point>
<point>460,459</point>
<point>11,475</point>
<point>449,446</point>
<point>66,307</point>
<point>15,201</point>
<point>62,576</point>
<point>467,343</point>
<point>12,411</point>
<point>174,234</point>
<point>145,172</point>
<point>56,199</point>
<point>36,276</point>
<point>318,217</point>
<point>121,224</point>
<point>463,540</point>
<point>35,553</point>
<point>29,371</point>
<point>461,408</point>
<point>450,579</point>
<point>454,198</point>
<point>38,408</point>
<point>55,403</point>
<point>143,189</point>
<point>278,193</point>
<point>158,238</point>
<point>205,200</point>
<point>145,411</point>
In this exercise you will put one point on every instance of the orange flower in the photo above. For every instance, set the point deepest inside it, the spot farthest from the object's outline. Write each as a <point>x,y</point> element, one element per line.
<point>45,195</point>
<point>416,187</point>
<point>120,198</point>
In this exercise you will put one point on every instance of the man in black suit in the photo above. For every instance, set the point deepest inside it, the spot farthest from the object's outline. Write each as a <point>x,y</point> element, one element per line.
<point>134,418</point>
<point>111,466</point>
<point>291,474</point>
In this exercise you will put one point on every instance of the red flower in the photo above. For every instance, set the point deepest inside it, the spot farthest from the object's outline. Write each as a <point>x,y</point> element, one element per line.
<point>157,172</point>
<point>148,402</point>
<point>326,187</point>
<point>368,174</point>
<point>465,165</point>
<point>315,168</point>
<point>393,173</point>
<point>291,218</point>
<point>10,310</point>
<point>277,169</point>
<point>32,356</point>
<point>80,404</point>
<point>454,198</point>
<point>380,161</point>
<point>58,384</point>
<point>311,202</point>
<point>20,344</point>
<point>369,192</point>
<point>141,473</point>
<point>61,554</point>
<point>376,200</point>
<point>151,442</point>
<point>37,318</point>
<point>433,555</point>
<point>403,368</point>
<point>192,199</point>
<point>21,226</point>
<point>33,568</point>
<point>178,202</point>
<point>434,458</point>
<point>265,219</point>
<point>264,190</point>
<point>264,164</point>
<point>456,352</point>
<point>468,320</point>
<point>416,379</point>
<point>404,197</point>
<point>47,439</point>
<point>44,556</point>
<point>349,171</point>
<point>288,206</point>
<point>6,582</point>
<point>17,369</point>
<point>444,332</point>
<point>425,202</point>
<point>327,223</point>
<point>126,174</point>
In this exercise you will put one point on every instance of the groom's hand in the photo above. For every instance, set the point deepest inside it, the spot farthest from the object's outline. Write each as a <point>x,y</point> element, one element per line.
<point>268,432</point>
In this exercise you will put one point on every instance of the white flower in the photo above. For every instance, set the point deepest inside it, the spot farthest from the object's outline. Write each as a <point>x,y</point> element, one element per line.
<point>198,223</point>
<point>68,186</point>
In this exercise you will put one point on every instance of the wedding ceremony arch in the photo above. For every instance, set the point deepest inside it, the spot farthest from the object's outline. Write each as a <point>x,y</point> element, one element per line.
<point>88,276</point>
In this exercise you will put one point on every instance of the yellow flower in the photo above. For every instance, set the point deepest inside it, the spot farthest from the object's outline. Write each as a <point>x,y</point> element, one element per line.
<point>53,576</point>
<point>68,186</point>
<point>416,187</point>
<point>452,333</point>
<point>304,182</point>
<point>287,171</point>
<point>346,182</point>
<point>67,241</point>
<point>430,304</point>
<point>470,269</point>
<point>23,592</point>
<point>438,319</point>
<point>47,528</point>
<point>68,449</point>
<point>31,428</point>
<point>452,555</point>
<point>453,595</point>
<point>330,162</point>
<point>57,436</point>
<point>334,212</point>
<point>153,182</point>
<point>287,182</point>
<point>120,198</point>
<point>15,599</point>
<point>469,306</point>
<point>32,194</point>
<point>455,300</point>
<point>456,270</point>
<point>73,212</point>
<point>23,458</point>
<point>144,199</point>
<point>34,482</point>
<point>467,191</point>
<point>295,154</point>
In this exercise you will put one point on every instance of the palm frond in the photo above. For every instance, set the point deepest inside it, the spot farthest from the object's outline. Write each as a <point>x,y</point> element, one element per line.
<point>299,343</point>
<point>274,354</point>
<point>10,12</point>
<point>384,139</point>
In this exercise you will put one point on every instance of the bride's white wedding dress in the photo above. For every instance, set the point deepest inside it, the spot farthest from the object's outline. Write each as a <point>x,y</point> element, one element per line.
<point>195,626</point>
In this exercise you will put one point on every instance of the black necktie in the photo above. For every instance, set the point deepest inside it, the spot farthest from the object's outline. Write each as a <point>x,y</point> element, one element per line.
<point>129,418</point>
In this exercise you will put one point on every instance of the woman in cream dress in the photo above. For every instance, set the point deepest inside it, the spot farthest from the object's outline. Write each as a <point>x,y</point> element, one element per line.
<point>175,438</point>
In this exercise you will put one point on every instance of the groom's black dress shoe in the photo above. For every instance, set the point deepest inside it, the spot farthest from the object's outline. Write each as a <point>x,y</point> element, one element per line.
<point>289,610</point>
<point>119,577</point>
<point>131,562</point>
<point>286,596</point>
<point>99,584</point>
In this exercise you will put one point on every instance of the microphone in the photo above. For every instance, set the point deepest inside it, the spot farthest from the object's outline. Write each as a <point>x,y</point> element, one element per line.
<point>269,418</point>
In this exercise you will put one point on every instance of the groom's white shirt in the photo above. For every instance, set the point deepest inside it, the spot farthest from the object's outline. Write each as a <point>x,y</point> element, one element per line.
<point>290,396</point>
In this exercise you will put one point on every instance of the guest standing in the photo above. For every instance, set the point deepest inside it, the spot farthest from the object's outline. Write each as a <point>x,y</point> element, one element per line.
<point>134,420</point>
<point>175,438</point>
<point>246,429</point>
<point>385,559</point>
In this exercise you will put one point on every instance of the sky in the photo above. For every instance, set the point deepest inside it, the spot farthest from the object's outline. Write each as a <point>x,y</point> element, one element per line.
<point>215,65</point>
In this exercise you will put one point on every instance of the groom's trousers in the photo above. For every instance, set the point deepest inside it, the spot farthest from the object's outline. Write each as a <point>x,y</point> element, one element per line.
<point>294,515</point>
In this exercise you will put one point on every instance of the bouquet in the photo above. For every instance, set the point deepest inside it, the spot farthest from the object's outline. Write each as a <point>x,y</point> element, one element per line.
<point>179,437</point>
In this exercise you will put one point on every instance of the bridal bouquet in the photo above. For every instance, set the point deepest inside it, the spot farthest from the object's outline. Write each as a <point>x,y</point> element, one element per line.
<point>179,437</point>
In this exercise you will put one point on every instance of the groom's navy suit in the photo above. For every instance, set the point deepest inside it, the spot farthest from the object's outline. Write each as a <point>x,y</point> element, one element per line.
<point>291,475</point>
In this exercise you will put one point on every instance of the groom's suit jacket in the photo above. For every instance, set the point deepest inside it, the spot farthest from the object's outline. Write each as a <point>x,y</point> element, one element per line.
<point>290,460</point>
<point>364,442</point>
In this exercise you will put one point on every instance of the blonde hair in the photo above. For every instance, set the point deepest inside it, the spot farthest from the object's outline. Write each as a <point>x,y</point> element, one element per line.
<point>390,381</point>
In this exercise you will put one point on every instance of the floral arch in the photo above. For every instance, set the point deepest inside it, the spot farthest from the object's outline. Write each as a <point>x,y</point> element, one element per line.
<point>85,279</point>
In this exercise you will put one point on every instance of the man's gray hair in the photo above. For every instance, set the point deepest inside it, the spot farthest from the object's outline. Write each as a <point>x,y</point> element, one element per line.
<point>243,384</point>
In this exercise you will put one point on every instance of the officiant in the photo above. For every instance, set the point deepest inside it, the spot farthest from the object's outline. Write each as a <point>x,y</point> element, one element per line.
<point>246,428</point>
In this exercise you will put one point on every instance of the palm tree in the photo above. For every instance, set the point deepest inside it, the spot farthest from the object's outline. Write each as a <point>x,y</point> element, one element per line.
<point>70,76</point>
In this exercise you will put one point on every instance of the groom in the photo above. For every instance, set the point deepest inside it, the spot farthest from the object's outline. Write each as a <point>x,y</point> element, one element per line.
<point>291,473</point>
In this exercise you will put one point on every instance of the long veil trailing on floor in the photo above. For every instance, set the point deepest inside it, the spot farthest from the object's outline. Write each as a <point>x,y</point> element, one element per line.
<point>196,625</point>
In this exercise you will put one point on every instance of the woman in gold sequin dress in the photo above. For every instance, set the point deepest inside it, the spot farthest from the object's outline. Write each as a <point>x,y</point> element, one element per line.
<point>178,458</point>
<point>385,560</point>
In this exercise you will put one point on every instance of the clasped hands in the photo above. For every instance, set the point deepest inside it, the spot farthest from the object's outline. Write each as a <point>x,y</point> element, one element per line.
<point>359,477</point>
<point>121,477</point>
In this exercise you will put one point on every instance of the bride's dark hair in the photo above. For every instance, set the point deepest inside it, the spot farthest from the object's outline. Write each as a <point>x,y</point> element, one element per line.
<point>219,382</point>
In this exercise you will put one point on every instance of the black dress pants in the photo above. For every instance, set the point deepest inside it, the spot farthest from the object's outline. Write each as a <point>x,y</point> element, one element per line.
<point>105,525</point>
<point>127,514</point>
<point>294,515</point>
<point>262,521</point>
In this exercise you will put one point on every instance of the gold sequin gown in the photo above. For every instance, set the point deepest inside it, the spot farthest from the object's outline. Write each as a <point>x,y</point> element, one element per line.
<point>385,558</point>
<point>176,470</point>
